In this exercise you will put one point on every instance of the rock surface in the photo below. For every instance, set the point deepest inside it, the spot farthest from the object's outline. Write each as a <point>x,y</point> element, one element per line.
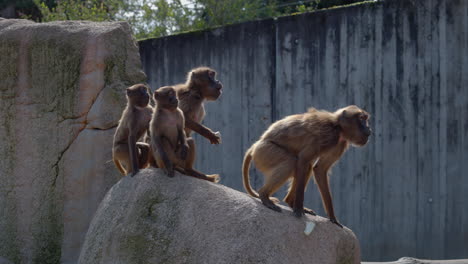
<point>407,260</point>
<point>155,219</point>
<point>4,261</point>
<point>62,90</point>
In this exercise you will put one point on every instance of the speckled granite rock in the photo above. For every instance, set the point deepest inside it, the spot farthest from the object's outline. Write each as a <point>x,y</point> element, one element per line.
<point>407,260</point>
<point>61,93</point>
<point>152,218</point>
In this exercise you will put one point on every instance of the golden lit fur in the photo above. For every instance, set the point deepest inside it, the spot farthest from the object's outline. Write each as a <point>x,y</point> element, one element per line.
<point>290,146</point>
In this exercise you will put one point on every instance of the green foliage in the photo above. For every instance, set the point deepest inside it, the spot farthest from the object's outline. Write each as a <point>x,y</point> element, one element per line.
<point>163,17</point>
<point>25,8</point>
<point>159,17</point>
<point>95,10</point>
<point>286,7</point>
<point>217,13</point>
<point>156,18</point>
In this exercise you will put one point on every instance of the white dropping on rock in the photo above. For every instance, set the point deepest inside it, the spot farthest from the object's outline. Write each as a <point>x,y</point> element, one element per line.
<point>309,227</point>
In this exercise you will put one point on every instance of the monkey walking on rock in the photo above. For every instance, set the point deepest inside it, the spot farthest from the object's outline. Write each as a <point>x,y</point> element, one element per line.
<point>291,147</point>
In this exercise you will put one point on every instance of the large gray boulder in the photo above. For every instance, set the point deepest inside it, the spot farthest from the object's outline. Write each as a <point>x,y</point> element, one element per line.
<point>62,90</point>
<point>152,218</point>
<point>4,261</point>
<point>407,260</point>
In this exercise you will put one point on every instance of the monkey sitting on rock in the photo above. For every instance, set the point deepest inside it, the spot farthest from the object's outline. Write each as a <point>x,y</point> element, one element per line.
<point>301,145</point>
<point>170,147</point>
<point>130,156</point>
<point>201,85</point>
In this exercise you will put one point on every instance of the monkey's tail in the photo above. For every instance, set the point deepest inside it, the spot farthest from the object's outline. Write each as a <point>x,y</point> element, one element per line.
<point>117,164</point>
<point>245,173</point>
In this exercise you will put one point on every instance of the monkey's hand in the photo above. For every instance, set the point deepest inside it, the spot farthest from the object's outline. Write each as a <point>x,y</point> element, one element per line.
<point>336,222</point>
<point>184,151</point>
<point>215,138</point>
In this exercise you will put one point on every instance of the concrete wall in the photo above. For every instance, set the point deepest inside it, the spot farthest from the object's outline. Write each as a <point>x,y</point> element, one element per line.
<point>406,62</point>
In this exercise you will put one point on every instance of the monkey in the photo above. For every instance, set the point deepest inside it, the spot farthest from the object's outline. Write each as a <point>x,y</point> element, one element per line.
<point>129,155</point>
<point>171,148</point>
<point>201,85</point>
<point>300,145</point>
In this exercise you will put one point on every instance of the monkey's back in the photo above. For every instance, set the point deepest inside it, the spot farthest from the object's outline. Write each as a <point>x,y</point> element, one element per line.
<point>301,130</point>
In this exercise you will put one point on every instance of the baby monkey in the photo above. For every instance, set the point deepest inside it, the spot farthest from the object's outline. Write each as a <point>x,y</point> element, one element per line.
<point>171,148</point>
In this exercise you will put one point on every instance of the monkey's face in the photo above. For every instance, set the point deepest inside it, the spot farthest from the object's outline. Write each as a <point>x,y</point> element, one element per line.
<point>138,95</point>
<point>211,88</point>
<point>166,97</point>
<point>354,123</point>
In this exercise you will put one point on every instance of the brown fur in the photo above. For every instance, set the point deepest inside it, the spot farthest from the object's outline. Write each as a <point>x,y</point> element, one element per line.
<point>171,149</point>
<point>290,147</point>
<point>201,85</point>
<point>129,155</point>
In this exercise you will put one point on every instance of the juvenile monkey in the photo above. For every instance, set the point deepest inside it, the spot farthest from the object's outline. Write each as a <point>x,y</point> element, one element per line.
<point>129,155</point>
<point>291,146</point>
<point>201,85</point>
<point>171,149</point>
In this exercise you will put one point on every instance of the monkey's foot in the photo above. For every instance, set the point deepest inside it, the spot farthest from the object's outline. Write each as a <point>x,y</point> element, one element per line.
<point>289,200</point>
<point>298,212</point>
<point>336,222</point>
<point>275,200</point>
<point>309,211</point>
<point>213,178</point>
<point>170,173</point>
<point>180,170</point>
<point>134,173</point>
<point>268,203</point>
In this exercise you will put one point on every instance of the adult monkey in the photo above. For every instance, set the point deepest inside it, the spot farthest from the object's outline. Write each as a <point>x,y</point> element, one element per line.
<point>201,85</point>
<point>291,146</point>
<point>129,155</point>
